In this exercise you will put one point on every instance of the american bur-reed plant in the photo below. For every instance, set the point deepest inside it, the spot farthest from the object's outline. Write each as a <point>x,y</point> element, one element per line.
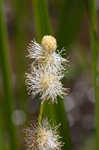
<point>47,69</point>
<point>47,75</point>
<point>53,111</point>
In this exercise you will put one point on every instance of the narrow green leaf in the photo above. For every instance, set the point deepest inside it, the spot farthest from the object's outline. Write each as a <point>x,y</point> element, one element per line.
<point>20,10</point>
<point>71,16</point>
<point>95,52</point>
<point>41,18</point>
<point>1,130</point>
<point>8,93</point>
<point>55,112</point>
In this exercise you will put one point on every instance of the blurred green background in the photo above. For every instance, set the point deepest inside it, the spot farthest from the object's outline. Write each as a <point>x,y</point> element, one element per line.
<point>20,22</point>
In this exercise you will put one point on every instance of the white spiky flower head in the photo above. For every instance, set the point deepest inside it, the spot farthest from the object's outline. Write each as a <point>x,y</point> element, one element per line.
<point>43,137</point>
<point>45,82</point>
<point>45,54</point>
<point>48,137</point>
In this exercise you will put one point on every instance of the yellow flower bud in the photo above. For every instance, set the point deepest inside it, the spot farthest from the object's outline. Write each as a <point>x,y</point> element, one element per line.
<point>49,43</point>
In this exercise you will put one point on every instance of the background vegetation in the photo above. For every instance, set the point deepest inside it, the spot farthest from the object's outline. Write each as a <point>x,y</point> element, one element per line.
<point>74,24</point>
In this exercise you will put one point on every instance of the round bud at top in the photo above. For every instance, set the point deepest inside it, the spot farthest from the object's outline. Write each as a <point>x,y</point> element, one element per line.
<point>49,43</point>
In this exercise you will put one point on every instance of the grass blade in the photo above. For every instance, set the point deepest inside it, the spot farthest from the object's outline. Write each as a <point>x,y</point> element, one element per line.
<point>1,130</point>
<point>71,14</point>
<point>41,18</point>
<point>95,52</point>
<point>20,7</point>
<point>8,100</point>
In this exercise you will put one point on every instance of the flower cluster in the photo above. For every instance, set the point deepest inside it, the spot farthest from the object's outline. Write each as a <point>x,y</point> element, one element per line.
<point>44,78</point>
<point>43,138</point>
<point>46,69</point>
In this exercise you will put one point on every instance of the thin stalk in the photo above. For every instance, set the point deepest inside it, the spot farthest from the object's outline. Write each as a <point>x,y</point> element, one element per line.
<point>40,113</point>
<point>95,51</point>
<point>40,118</point>
<point>8,93</point>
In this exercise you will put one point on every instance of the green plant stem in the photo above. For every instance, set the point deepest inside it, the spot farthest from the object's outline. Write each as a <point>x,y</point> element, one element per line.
<point>8,93</point>
<point>40,113</point>
<point>95,52</point>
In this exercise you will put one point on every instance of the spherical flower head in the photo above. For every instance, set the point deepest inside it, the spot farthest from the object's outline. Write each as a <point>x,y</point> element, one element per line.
<point>48,137</point>
<point>43,137</point>
<point>49,43</point>
<point>46,82</point>
<point>45,54</point>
